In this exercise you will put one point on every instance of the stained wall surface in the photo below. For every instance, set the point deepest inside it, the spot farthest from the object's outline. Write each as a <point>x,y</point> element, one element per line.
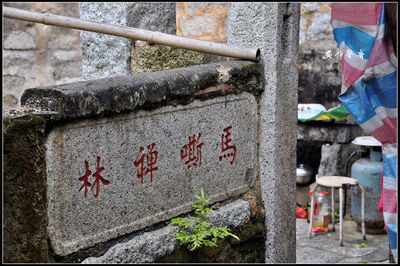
<point>39,55</point>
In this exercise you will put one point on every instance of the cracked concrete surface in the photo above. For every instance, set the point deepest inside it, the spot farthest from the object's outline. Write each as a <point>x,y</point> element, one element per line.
<point>325,248</point>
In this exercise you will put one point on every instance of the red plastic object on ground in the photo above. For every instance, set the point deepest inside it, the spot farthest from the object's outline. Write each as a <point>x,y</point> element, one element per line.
<point>318,230</point>
<point>300,212</point>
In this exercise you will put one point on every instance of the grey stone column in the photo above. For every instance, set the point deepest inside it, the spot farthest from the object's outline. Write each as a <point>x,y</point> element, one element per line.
<point>274,27</point>
<point>152,16</point>
<point>106,55</point>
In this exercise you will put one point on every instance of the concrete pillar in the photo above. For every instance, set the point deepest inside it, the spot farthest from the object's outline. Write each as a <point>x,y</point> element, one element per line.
<point>274,27</point>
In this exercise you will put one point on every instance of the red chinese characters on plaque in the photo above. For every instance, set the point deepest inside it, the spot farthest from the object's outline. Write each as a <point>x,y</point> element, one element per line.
<point>191,152</point>
<point>151,161</point>
<point>228,150</point>
<point>98,178</point>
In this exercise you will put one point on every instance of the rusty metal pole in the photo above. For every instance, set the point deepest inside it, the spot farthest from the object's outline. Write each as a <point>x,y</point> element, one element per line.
<point>134,33</point>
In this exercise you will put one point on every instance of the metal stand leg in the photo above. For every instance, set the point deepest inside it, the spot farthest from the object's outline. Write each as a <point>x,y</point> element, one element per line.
<point>333,208</point>
<point>363,212</point>
<point>311,216</point>
<point>312,210</point>
<point>341,216</point>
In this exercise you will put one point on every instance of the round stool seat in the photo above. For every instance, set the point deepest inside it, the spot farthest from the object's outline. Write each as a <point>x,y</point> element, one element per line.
<point>336,181</point>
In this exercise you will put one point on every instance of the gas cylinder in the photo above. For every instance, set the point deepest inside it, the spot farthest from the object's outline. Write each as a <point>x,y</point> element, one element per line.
<point>368,172</point>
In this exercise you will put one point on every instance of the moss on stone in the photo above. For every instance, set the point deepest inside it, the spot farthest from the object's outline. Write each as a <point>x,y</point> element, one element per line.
<point>155,57</point>
<point>24,196</point>
<point>250,248</point>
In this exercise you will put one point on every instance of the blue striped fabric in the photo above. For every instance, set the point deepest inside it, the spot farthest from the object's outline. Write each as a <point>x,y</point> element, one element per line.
<point>372,98</point>
<point>363,41</point>
<point>388,164</point>
<point>372,93</point>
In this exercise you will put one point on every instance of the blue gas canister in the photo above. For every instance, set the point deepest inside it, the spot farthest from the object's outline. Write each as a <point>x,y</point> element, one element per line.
<point>368,172</point>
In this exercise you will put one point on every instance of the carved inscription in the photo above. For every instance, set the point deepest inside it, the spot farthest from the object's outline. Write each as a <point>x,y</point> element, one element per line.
<point>98,178</point>
<point>228,150</point>
<point>151,161</point>
<point>191,152</point>
<point>137,169</point>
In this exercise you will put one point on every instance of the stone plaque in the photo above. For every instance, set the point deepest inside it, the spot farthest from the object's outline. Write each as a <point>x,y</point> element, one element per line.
<point>111,176</point>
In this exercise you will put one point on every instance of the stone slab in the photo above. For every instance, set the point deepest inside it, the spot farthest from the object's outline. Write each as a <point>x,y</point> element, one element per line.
<point>114,95</point>
<point>150,246</point>
<point>169,138</point>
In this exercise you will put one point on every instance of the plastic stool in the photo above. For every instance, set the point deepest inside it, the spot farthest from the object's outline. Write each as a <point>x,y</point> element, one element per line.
<point>338,182</point>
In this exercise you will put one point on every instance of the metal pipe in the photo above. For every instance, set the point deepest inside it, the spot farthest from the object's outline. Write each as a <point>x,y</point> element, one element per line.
<point>333,208</point>
<point>363,212</point>
<point>134,33</point>
<point>312,210</point>
<point>341,216</point>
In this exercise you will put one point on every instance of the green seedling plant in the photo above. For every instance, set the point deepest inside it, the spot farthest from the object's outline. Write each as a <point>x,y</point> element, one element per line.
<point>203,233</point>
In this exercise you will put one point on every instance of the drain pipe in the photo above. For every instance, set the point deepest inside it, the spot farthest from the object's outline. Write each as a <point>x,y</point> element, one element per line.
<point>155,37</point>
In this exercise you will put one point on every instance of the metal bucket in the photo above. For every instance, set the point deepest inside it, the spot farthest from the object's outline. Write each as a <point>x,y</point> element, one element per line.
<point>304,174</point>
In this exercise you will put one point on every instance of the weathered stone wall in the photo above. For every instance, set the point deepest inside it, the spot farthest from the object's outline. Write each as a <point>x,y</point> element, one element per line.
<point>319,77</point>
<point>63,127</point>
<point>96,103</point>
<point>37,55</point>
<point>204,21</point>
<point>52,55</point>
<point>278,42</point>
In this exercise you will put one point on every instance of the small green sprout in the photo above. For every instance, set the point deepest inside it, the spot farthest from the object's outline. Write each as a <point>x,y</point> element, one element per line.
<point>203,233</point>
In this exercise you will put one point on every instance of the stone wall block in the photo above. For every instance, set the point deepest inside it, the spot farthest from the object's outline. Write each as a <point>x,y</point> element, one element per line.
<point>204,21</point>
<point>90,126</point>
<point>152,16</point>
<point>278,41</point>
<point>205,24</point>
<point>18,63</point>
<point>156,244</point>
<point>29,48</point>
<point>19,40</point>
<point>104,55</point>
<point>150,58</point>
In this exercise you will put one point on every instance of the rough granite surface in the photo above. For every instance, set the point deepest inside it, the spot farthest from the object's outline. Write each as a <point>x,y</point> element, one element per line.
<point>151,162</point>
<point>275,28</point>
<point>145,90</point>
<point>152,245</point>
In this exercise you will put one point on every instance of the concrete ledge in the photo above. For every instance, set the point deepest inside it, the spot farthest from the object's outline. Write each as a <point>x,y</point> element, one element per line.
<point>326,131</point>
<point>155,244</point>
<point>145,90</point>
